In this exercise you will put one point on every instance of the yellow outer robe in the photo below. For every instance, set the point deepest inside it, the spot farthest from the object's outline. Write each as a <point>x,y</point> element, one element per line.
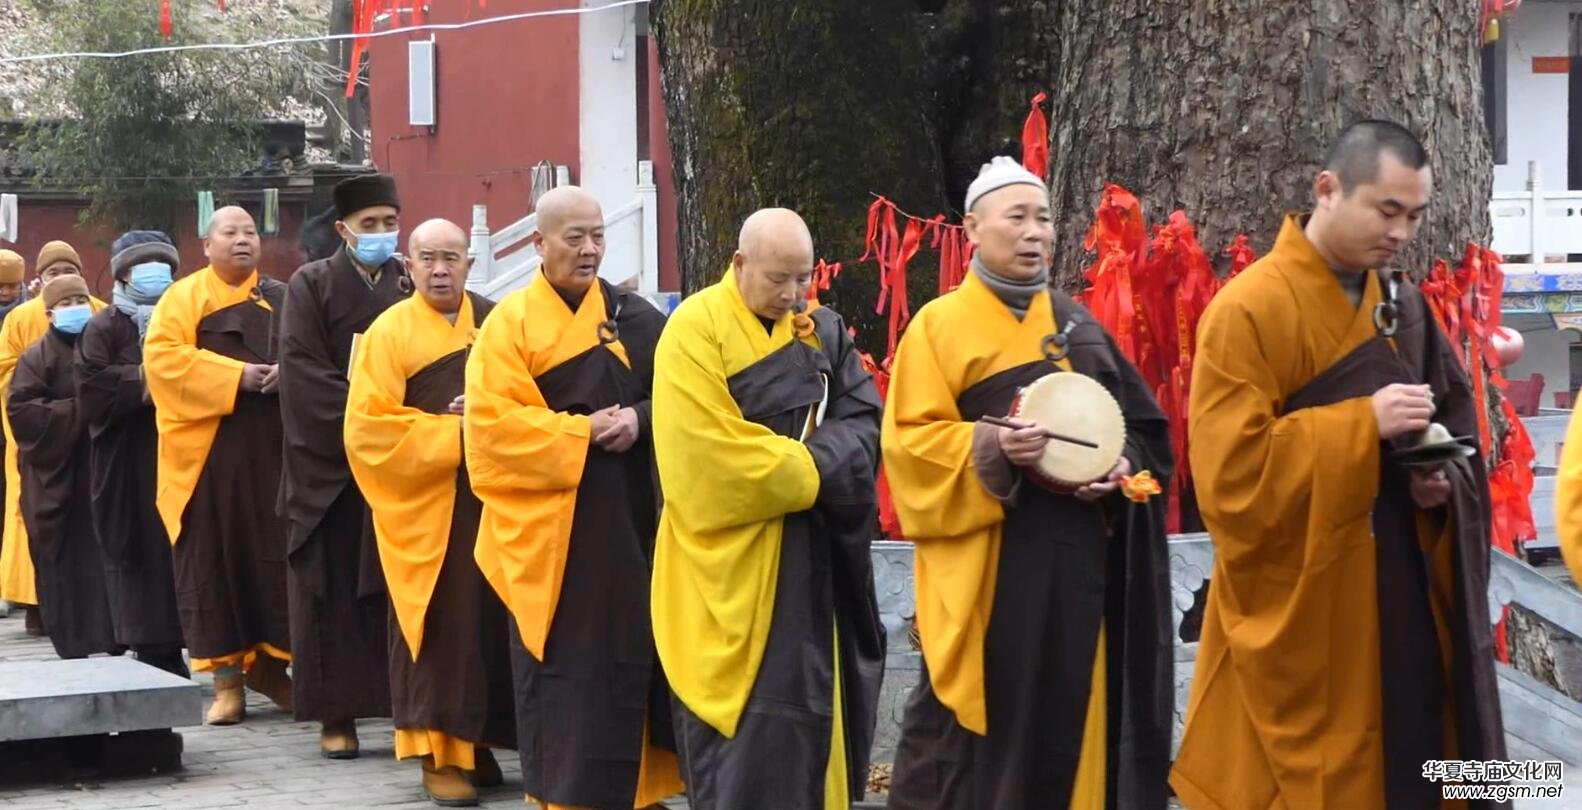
<point>405,459</point>
<point>728,484</point>
<point>525,460</point>
<point>21,329</point>
<point>1275,720</point>
<point>1568,498</point>
<point>192,388</point>
<point>947,513</point>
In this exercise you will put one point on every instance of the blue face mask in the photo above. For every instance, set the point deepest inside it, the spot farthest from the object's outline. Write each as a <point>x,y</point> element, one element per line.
<point>149,279</point>
<point>72,319</point>
<point>374,249</point>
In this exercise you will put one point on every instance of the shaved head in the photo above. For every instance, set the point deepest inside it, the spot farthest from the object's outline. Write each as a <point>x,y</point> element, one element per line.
<point>774,262</point>
<point>570,238</point>
<point>439,264</point>
<point>437,233</point>
<point>777,230</point>
<point>1354,156</point>
<point>232,244</point>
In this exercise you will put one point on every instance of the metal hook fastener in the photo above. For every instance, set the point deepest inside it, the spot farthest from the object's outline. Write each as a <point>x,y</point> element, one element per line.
<point>609,332</point>
<point>1386,317</point>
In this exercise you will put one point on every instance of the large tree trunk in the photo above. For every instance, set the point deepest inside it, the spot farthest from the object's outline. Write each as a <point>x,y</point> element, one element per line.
<point>1224,109</point>
<point>819,104</point>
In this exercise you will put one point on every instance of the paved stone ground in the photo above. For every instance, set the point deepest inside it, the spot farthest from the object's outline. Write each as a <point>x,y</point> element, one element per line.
<point>270,761</point>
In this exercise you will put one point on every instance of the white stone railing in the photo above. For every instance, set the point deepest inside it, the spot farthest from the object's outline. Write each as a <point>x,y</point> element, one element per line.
<point>1537,223</point>
<point>505,260</point>
<point>1540,722</point>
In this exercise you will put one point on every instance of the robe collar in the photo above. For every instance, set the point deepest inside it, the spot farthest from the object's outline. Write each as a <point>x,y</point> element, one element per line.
<point>1318,290</point>
<point>763,341</point>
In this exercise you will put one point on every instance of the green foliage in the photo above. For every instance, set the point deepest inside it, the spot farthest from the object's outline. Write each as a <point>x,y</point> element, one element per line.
<point>141,135</point>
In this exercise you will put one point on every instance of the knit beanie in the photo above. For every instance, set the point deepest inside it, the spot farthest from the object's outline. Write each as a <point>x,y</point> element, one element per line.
<point>997,174</point>
<point>62,287</point>
<point>57,251</point>
<point>12,267</point>
<point>138,247</point>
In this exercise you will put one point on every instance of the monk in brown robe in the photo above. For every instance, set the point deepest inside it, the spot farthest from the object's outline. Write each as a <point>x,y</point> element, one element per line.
<point>22,328</point>
<point>1346,638</point>
<point>557,416</point>
<point>53,440</point>
<point>209,360</point>
<point>338,613</point>
<point>450,651</point>
<point>124,452</point>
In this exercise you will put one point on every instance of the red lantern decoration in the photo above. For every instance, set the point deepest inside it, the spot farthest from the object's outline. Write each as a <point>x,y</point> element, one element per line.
<point>1508,344</point>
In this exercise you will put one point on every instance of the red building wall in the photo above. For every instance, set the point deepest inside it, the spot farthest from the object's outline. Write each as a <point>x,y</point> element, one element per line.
<point>45,221</point>
<point>506,97</point>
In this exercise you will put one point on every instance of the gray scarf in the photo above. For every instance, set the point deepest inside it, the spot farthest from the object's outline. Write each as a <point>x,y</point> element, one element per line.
<point>1015,294</point>
<point>137,307</point>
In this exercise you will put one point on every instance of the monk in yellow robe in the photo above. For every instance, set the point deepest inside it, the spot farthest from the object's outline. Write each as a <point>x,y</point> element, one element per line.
<point>557,415</point>
<point>1043,613</point>
<point>1346,636</point>
<point>209,360</point>
<point>766,432</point>
<point>1568,499</point>
<point>13,293</point>
<point>450,660</point>
<point>22,328</point>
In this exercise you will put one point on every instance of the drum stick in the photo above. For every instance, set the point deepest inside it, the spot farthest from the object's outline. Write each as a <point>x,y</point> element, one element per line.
<point>998,421</point>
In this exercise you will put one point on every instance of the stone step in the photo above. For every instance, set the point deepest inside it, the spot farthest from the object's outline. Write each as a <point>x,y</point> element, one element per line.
<point>49,699</point>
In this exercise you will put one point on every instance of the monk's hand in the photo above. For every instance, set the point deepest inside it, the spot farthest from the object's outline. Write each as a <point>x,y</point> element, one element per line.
<point>1430,488</point>
<point>458,405</point>
<point>271,380</point>
<point>1023,445</point>
<point>1402,409</point>
<point>621,434</point>
<point>254,375</point>
<point>1107,484</point>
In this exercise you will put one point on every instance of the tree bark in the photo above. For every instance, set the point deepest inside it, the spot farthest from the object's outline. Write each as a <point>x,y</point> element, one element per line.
<point>1224,109</point>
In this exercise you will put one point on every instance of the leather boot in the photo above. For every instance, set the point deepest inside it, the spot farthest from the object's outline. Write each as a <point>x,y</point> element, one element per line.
<point>268,678</point>
<point>485,771</point>
<point>447,786</point>
<point>230,705</point>
<point>339,740</point>
<point>163,657</point>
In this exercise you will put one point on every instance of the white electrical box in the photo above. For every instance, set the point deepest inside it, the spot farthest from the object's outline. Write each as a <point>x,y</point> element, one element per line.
<point>421,84</point>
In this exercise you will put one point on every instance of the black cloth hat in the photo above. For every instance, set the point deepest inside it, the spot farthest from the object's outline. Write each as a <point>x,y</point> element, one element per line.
<point>136,247</point>
<point>365,191</point>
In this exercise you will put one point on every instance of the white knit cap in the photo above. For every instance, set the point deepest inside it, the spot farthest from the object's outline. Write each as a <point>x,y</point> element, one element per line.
<point>997,174</point>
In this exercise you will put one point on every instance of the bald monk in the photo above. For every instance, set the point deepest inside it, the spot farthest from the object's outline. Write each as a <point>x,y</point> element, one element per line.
<point>557,428</point>
<point>1346,636</point>
<point>339,649</point>
<point>124,452</point>
<point>1043,615</point>
<point>209,360</point>
<point>766,433</point>
<point>52,439</point>
<point>23,327</point>
<point>450,659</point>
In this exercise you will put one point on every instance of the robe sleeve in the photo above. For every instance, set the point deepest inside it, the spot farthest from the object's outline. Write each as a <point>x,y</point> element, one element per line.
<point>845,447</point>
<point>187,383</point>
<point>934,485</point>
<point>1568,498</point>
<point>515,440</point>
<point>394,447</point>
<point>313,388</point>
<point>1272,487</point>
<point>108,390</point>
<point>720,470</point>
<point>45,427</point>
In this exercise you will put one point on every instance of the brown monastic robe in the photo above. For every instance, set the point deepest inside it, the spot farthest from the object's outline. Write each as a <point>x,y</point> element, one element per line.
<point>56,507</point>
<point>339,644</point>
<point>123,471</point>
